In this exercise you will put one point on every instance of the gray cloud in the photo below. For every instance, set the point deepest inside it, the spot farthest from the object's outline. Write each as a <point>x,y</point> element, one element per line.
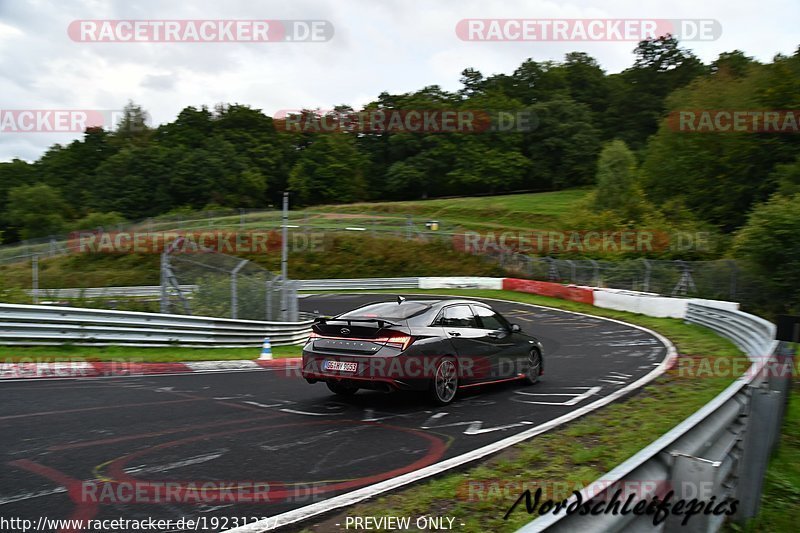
<point>392,45</point>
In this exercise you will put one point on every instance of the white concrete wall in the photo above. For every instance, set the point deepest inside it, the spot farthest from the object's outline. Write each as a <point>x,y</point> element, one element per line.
<point>652,305</point>
<point>464,282</point>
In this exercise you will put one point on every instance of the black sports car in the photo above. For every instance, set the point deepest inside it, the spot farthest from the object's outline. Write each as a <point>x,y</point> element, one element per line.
<point>437,346</point>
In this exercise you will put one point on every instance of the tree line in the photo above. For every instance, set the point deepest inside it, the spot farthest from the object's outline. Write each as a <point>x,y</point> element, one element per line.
<point>237,156</point>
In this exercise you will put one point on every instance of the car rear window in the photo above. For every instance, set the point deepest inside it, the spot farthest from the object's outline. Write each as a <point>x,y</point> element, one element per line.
<point>387,310</point>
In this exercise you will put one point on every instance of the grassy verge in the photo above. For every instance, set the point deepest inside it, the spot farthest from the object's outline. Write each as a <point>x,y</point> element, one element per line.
<point>574,454</point>
<point>11,354</point>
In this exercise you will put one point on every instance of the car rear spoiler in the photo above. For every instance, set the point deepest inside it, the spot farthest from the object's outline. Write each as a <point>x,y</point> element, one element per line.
<point>381,323</point>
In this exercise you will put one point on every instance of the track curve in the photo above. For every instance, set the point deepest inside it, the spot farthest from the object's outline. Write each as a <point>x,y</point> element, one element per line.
<point>316,452</point>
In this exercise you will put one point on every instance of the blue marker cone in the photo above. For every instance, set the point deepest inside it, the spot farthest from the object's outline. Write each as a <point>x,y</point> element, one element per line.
<point>266,350</point>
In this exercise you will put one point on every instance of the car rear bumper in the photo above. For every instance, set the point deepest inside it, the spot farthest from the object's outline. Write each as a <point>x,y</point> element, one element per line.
<point>378,373</point>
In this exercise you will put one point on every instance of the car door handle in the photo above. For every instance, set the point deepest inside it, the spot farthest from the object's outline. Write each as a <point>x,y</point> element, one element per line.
<point>494,334</point>
<point>454,333</point>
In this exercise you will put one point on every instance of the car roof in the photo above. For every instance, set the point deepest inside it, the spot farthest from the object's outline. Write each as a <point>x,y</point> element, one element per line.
<point>438,304</point>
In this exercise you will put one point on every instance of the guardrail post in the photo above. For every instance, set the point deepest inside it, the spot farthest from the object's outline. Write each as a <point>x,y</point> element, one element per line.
<point>763,426</point>
<point>695,478</point>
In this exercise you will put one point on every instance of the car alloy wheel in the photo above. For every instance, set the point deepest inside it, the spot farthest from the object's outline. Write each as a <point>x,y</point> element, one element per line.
<point>445,381</point>
<point>534,367</point>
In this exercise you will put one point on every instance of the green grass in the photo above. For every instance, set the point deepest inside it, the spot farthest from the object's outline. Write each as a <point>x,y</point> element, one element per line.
<point>338,256</point>
<point>12,354</point>
<point>577,453</point>
<point>548,210</point>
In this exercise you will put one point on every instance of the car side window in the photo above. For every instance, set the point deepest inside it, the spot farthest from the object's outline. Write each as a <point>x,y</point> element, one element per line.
<point>489,319</point>
<point>457,316</point>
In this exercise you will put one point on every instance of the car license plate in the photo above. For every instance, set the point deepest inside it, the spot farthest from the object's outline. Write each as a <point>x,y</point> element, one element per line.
<point>341,366</point>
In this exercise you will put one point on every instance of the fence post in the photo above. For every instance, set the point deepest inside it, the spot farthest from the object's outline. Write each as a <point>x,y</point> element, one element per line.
<point>268,303</point>
<point>284,253</point>
<point>35,277</point>
<point>647,269</point>
<point>734,275</point>
<point>234,291</point>
<point>552,270</point>
<point>164,304</point>
<point>293,301</point>
<point>595,273</point>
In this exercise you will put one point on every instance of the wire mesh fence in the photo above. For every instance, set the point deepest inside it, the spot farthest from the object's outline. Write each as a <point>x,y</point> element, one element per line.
<point>255,292</point>
<point>223,286</point>
<point>720,279</point>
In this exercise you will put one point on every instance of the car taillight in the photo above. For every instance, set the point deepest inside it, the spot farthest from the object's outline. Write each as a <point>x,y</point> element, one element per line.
<point>400,341</point>
<point>312,337</point>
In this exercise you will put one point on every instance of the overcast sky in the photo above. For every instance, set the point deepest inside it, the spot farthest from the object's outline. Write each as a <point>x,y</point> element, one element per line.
<point>395,46</point>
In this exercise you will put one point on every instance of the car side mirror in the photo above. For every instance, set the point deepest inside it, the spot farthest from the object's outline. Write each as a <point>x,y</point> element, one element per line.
<point>515,328</point>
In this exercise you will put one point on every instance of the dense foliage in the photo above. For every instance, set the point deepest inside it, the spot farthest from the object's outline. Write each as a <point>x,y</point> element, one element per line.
<point>237,156</point>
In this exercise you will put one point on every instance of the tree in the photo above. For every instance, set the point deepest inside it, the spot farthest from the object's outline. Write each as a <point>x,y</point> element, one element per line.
<point>617,187</point>
<point>329,170</point>
<point>639,93</point>
<point>12,174</point>
<point>99,220</point>
<point>134,182</point>
<point>36,210</point>
<point>563,147</point>
<point>721,175</point>
<point>768,246</point>
<point>787,176</point>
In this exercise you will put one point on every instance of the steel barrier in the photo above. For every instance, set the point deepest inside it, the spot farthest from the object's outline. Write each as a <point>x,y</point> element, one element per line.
<point>722,450</point>
<point>302,284</point>
<point>356,283</point>
<point>50,325</point>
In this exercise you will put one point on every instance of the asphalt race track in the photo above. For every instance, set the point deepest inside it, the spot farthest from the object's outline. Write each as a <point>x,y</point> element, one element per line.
<point>251,428</point>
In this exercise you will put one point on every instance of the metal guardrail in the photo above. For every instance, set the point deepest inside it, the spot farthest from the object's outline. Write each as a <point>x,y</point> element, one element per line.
<point>721,450</point>
<point>356,283</point>
<point>104,292</point>
<point>49,325</point>
<point>302,284</point>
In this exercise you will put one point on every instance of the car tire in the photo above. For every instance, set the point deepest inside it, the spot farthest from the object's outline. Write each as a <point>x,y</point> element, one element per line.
<point>444,385</point>
<point>341,389</point>
<point>534,367</point>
